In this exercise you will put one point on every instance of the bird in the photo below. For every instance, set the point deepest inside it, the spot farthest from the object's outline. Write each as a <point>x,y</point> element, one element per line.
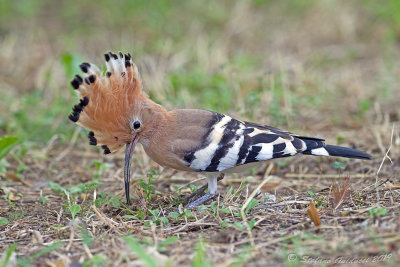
<point>117,113</point>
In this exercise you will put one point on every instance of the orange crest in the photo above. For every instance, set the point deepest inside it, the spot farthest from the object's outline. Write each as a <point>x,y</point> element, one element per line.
<point>108,101</point>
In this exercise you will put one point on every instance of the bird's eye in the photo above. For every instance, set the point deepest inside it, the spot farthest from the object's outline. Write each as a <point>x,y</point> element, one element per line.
<point>136,125</point>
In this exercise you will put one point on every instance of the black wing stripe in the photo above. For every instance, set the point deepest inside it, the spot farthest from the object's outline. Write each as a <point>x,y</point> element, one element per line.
<point>244,149</point>
<point>279,147</point>
<point>189,156</point>
<point>225,144</point>
<point>248,130</point>
<point>298,144</point>
<point>264,138</point>
<point>280,155</point>
<point>255,150</point>
<point>311,144</point>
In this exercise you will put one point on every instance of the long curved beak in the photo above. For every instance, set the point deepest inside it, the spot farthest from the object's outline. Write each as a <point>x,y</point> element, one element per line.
<point>130,147</point>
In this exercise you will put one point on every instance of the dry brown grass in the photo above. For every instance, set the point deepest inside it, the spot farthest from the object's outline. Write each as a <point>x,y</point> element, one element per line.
<point>281,227</point>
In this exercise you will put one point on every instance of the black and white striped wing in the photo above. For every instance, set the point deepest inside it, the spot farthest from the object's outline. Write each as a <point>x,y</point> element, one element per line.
<point>230,143</point>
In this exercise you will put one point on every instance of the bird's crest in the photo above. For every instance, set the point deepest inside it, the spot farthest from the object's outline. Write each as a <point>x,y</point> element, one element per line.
<point>107,100</point>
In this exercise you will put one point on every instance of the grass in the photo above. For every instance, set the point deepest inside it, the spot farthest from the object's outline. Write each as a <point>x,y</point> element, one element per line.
<point>318,68</point>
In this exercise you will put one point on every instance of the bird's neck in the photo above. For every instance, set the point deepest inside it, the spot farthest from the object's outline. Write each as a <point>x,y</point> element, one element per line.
<point>158,121</point>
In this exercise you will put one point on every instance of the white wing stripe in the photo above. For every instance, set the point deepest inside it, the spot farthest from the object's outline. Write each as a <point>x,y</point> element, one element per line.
<point>290,149</point>
<point>232,156</point>
<point>266,151</point>
<point>319,151</point>
<point>204,156</point>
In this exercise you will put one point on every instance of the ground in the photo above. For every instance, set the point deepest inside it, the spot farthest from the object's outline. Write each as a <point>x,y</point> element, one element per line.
<point>318,68</point>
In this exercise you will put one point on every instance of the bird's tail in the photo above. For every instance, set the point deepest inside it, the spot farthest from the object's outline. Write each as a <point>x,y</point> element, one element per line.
<point>318,148</point>
<point>107,99</point>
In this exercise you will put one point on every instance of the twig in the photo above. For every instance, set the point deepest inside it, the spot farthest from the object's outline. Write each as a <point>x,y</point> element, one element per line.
<point>242,210</point>
<point>325,176</point>
<point>71,238</point>
<point>192,180</point>
<point>386,155</point>
<point>383,160</point>
<point>274,241</point>
<point>285,203</point>
<point>192,224</point>
<point>105,220</point>
<point>87,250</point>
<point>382,190</point>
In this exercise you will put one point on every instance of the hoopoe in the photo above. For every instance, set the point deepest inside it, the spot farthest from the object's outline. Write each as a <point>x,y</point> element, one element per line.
<point>118,113</point>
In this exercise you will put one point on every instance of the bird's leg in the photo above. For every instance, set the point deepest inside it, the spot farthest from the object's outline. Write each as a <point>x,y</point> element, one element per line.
<point>200,192</point>
<point>212,183</point>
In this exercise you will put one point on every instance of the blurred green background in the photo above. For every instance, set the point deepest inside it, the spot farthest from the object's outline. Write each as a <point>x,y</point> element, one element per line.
<point>302,65</point>
<point>325,68</point>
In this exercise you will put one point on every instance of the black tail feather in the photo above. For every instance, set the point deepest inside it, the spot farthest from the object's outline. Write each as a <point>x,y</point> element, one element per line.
<point>339,151</point>
<point>317,147</point>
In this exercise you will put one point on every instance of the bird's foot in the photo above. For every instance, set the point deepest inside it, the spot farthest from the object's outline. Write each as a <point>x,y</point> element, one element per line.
<point>200,200</point>
<point>198,193</point>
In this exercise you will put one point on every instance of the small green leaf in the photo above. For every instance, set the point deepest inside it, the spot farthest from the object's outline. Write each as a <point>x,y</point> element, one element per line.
<point>74,210</point>
<point>115,202</point>
<point>214,207</point>
<point>340,139</point>
<point>97,164</point>
<point>154,212</point>
<point>3,221</point>
<point>225,211</point>
<point>186,213</point>
<point>55,187</point>
<point>253,202</point>
<point>338,165</point>
<point>252,222</point>
<point>202,207</point>
<point>92,185</point>
<point>75,189</point>
<point>311,193</point>
<point>86,237</point>
<point>225,223</point>
<point>140,214</point>
<point>43,200</point>
<point>164,220</point>
<point>192,187</point>
<point>239,226</point>
<point>6,144</point>
<point>381,211</point>
<point>374,212</point>
<point>169,241</point>
<point>97,260</point>
<point>130,217</point>
<point>365,105</point>
<point>174,215</point>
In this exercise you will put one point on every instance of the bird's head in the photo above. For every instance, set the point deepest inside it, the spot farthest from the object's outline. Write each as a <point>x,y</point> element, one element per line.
<point>113,106</point>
